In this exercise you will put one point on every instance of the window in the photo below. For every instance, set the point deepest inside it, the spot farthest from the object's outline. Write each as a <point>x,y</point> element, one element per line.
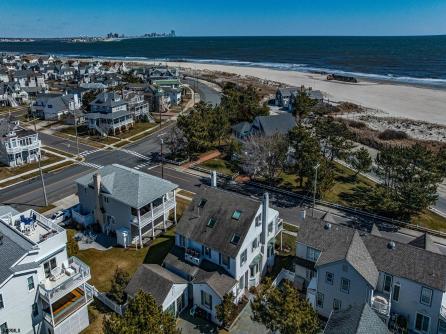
<point>309,274</point>
<point>2,305</point>
<point>211,223</point>
<point>207,251</point>
<point>206,299</point>
<point>270,227</point>
<point>254,244</point>
<point>35,310</point>
<point>336,304</point>
<point>253,270</point>
<point>235,239</point>
<point>30,283</point>
<point>329,277</point>
<point>426,296</point>
<point>422,323</point>
<point>258,220</point>
<point>320,300</point>
<point>312,254</point>
<point>48,266</point>
<point>345,285</point>
<point>4,328</point>
<point>225,260</point>
<point>236,214</point>
<point>243,257</point>
<point>396,292</point>
<point>387,283</point>
<point>182,241</point>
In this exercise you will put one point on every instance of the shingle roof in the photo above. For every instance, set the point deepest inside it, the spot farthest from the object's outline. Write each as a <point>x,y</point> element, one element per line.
<point>108,100</point>
<point>129,186</point>
<point>12,248</point>
<point>220,206</point>
<point>270,125</point>
<point>153,279</point>
<point>425,241</point>
<point>356,320</point>
<point>404,260</point>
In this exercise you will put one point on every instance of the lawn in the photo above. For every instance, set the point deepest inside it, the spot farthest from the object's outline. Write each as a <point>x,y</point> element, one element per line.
<point>47,159</point>
<point>220,166</point>
<point>137,128</point>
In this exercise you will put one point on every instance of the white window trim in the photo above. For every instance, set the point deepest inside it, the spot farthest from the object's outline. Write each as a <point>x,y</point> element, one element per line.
<point>421,295</point>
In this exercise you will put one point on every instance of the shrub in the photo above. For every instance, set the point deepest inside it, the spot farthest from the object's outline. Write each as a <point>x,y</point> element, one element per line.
<point>393,135</point>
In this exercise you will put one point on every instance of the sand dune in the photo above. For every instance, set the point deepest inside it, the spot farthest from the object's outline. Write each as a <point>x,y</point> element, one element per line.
<point>393,100</point>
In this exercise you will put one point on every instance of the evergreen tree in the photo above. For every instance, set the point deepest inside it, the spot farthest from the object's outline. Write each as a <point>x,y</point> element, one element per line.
<point>119,281</point>
<point>303,104</point>
<point>142,315</point>
<point>361,161</point>
<point>284,310</point>
<point>226,310</point>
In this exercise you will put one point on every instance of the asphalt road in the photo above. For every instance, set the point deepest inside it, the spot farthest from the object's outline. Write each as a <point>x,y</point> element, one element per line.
<point>63,144</point>
<point>207,94</point>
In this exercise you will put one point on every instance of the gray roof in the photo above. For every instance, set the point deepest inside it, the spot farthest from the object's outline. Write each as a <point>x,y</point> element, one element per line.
<point>425,241</point>
<point>108,99</point>
<point>242,127</point>
<point>153,279</point>
<point>220,206</point>
<point>276,124</point>
<point>286,91</point>
<point>6,209</point>
<point>356,320</point>
<point>12,249</point>
<point>404,260</point>
<point>207,272</point>
<point>129,186</point>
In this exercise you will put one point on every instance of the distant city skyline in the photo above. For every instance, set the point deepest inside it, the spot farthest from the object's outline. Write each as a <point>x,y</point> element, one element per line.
<point>50,18</point>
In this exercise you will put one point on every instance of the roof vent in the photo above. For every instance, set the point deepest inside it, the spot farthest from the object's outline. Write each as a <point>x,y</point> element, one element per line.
<point>391,245</point>
<point>327,226</point>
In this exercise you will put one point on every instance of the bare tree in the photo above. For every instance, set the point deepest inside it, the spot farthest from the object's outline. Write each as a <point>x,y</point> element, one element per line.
<point>264,156</point>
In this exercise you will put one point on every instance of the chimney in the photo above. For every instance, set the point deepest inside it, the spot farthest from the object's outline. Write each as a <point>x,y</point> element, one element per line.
<point>98,216</point>
<point>302,214</point>
<point>214,179</point>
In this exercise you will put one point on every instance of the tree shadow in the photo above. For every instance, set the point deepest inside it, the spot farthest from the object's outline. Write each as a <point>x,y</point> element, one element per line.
<point>159,249</point>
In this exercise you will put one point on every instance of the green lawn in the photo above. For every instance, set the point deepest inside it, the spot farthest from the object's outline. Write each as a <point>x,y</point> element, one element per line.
<point>220,166</point>
<point>47,159</point>
<point>137,128</point>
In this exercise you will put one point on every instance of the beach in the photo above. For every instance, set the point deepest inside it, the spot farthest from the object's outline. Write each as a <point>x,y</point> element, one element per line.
<point>391,100</point>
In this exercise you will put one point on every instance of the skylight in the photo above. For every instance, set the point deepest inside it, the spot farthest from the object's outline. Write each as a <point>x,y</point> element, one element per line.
<point>211,222</point>
<point>236,215</point>
<point>235,239</point>
<point>202,203</point>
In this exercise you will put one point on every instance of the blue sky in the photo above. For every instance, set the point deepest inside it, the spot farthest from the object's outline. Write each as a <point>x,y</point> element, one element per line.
<point>51,18</point>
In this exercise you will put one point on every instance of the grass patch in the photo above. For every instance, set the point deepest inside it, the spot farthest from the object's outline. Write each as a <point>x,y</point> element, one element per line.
<point>430,220</point>
<point>48,158</point>
<point>96,313</point>
<point>220,166</point>
<point>160,247</point>
<point>121,143</point>
<point>137,128</point>
<point>186,193</point>
<point>55,150</point>
<point>46,208</point>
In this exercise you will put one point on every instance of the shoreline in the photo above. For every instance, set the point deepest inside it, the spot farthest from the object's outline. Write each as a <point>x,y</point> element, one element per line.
<point>398,100</point>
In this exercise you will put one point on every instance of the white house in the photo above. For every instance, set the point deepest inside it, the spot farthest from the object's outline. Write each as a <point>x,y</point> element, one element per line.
<point>224,243</point>
<point>55,106</point>
<point>342,267</point>
<point>18,146</point>
<point>125,200</point>
<point>42,290</point>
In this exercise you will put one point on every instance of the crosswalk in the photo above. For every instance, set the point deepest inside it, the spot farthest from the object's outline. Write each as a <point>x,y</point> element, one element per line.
<point>89,164</point>
<point>141,166</point>
<point>88,152</point>
<point>136,154</point>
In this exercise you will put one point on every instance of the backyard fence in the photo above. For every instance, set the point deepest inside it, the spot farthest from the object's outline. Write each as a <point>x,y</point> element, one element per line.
<point>102,297</point>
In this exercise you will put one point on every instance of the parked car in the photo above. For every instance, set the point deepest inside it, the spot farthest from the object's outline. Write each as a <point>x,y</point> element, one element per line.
<point>60,216</point>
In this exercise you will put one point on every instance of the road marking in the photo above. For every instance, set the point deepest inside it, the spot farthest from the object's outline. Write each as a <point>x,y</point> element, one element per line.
<point>85,153</point>
<point>140,166</point>
<point>89,164</point>
<point>136,154</point>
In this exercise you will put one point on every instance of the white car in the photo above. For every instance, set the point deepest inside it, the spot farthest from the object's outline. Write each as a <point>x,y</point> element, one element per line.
<point>60,216</point>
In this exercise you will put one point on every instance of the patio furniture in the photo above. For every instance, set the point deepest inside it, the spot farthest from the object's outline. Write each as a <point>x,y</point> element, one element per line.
<point>70,271</point>
<point>56,273</point>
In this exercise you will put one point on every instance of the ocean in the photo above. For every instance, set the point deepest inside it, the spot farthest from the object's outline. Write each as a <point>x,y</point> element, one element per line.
<point>417,60</point>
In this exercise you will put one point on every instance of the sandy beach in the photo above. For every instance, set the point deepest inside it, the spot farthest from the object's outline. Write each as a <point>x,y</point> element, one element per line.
<point>393,100</point>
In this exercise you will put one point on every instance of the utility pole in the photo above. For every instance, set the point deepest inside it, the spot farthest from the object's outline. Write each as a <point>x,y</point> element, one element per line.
<point>40,168</point>
<point>315,187</point>
<point>162,154</point>
<point>75,130</point>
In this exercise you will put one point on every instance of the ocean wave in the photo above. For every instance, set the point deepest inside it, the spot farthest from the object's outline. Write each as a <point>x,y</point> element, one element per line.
<point>321,70</point>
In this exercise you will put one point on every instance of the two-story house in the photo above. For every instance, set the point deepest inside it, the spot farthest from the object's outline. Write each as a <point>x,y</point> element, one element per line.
<point>137,106</point>
<point>109,114</point>
<point>126,201</point>
<point>42,289</point>
<point>55,106</point>
<point>17,146</point>
<point>224,243</point>
<point>342,266</point>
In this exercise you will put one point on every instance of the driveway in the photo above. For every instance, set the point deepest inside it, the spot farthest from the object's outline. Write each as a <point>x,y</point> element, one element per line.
<point>191,325</point>
<point>245,325</point>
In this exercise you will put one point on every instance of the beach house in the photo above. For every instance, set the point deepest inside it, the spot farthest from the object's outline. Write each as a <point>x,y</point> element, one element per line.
<point>42,289</point>
<point>224,243</point>
<point>109,114</point>
<point>55,106</point>
<point>340,267</point>
<point>18,146</point>
<point>125,201</point>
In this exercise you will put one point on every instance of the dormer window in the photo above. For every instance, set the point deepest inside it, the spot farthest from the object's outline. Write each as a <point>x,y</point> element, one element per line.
<point>202,203</point>
<point>235,239</point>
<point>236,214</point>
<point>211,223</point>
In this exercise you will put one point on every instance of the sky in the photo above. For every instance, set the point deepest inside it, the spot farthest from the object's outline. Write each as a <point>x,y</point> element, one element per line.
<point>61,18</point>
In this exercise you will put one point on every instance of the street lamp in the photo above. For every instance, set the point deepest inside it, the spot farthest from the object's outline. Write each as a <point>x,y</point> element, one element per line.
<point>315,186</point>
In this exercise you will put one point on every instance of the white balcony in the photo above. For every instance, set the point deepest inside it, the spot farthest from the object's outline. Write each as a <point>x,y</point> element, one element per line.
<point>35,145</point>
<point>64,279</point>
<point>154,214</point>
<point>193,256</point>
<point>381,303</point>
